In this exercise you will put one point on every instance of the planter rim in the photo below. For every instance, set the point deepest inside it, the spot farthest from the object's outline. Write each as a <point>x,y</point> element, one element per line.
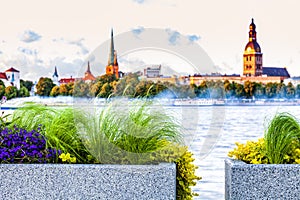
<point>238,163</point>
<point>163,164</point>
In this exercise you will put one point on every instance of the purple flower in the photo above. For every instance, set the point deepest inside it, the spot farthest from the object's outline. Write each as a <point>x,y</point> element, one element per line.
<point>17,145</point>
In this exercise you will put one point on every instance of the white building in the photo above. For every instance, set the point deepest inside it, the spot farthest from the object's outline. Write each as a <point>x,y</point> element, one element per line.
<point>11,77</point>
<point>153,71</point>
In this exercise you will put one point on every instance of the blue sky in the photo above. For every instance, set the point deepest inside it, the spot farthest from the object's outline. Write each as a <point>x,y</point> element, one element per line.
<point>38,35</point>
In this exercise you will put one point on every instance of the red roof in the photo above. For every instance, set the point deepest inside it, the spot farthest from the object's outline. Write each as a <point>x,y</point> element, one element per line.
<point>11,70</point>
<point>67,80</point>
<point>3,75</point>
<point>89,77</point>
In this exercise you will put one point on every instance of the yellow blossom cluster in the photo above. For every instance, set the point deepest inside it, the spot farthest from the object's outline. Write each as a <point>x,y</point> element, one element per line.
<point>253,152</point>
<point>66,158</point>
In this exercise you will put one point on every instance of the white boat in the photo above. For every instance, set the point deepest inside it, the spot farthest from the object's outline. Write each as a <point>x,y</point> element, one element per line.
<point>193,102</point>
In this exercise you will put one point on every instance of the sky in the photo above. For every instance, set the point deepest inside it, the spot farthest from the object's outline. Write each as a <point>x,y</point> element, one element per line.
<point>37,35</point>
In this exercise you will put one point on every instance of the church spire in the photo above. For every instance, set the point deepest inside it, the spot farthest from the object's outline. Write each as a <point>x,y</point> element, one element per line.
<point>112,50</point>
<point>55,72</point>
<point>88,67</point>
<point>252,32</point>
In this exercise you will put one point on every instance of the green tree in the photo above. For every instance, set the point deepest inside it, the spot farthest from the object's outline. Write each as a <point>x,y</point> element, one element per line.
<point>290,91</point>
<point>2,90</point>
<point>239,90</point>
<point>81,89</point>
<point>259,90</point>
<point>271,90</point>
<point>2,83</point>
<point>27,84</point>
<point>55,91</point>
<point>63,90</point>
<point>298,91</point>
<point>203,91</point>
<point>23,92</point>
<point>11,92</point>
<point>44,86</point>
<point>249,88</point>
<point>106,90</point>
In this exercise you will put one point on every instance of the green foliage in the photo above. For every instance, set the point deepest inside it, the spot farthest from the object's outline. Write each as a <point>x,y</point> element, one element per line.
<point>23,92</point>
<point>2,91</point>
<point>59,127</point>
<point>280,145</point>
<point>185,169</point>
<point>44,86</point>
<point>253,152</point>
<point>55,91</point>
<point>11,92</point>
<point>279,137</point>
<point>129,130</point>
<point>27,84</point>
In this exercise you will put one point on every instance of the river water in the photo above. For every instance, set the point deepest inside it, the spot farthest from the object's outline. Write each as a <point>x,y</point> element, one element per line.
<point>212,133</point>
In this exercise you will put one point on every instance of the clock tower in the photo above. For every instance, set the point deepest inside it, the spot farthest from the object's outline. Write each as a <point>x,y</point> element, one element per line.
<point>252,55</point>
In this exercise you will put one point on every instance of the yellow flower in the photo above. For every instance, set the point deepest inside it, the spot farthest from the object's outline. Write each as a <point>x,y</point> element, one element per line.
<point>65,157</point>
<point>73,159</point>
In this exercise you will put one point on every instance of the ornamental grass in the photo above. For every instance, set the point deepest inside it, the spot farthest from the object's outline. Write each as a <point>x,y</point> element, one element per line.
<point>280,145</point>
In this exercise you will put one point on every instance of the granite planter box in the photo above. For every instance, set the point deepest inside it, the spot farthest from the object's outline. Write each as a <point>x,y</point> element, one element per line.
<point>88,181</point>
<point>263,181</point>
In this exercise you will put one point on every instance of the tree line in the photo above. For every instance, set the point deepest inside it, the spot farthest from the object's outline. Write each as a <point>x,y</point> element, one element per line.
<point>12,92</point>
<point>106,86</point>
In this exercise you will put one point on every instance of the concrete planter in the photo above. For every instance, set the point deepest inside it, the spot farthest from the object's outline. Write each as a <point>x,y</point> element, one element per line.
<point>67,181</point>
<point>249,181</point>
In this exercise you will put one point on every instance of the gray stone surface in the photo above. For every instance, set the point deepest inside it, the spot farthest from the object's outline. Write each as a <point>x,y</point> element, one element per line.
<point>66,181</point>
<point>249,181</point>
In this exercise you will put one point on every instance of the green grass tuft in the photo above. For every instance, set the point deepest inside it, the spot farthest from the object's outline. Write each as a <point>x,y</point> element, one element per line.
<point>282,131</point>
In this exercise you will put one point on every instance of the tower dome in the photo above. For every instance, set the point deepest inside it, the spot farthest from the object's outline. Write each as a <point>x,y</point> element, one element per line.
<point>252,54</point>
<point>253,47</point>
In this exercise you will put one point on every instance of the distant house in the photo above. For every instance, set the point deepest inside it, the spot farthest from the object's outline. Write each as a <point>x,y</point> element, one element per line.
<point>66,80</point>
<point>152,71</point>
<point>11,77</point>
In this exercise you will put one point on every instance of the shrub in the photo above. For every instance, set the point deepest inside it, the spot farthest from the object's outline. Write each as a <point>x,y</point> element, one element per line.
<point>253,152</point>
<point>185,169</point>
<point>59,127</point>
<point>21,146</point>
<point>280,145</point>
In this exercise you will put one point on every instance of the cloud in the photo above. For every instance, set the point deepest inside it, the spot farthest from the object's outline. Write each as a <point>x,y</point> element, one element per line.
<point>29,36</point>
<point>174,36</point>
<point>139,1</point>
<point>193,38</point>
<point>78,43</point>
<point>137,31</point>
<point>27,51</point>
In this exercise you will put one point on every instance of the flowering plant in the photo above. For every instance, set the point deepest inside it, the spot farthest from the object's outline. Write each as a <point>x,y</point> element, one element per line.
<point>280,145</point>
<point>21,146</point>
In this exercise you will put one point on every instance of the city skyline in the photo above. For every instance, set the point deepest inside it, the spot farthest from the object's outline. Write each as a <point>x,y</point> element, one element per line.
<point>37,36</point>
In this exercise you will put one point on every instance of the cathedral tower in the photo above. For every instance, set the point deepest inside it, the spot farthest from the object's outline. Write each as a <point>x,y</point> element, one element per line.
<point>112,66</point>
<point>252,54</point>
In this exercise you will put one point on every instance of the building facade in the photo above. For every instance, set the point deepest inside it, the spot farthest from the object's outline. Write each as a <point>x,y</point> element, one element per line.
<point>152,71</point>
<point>11,77</point>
